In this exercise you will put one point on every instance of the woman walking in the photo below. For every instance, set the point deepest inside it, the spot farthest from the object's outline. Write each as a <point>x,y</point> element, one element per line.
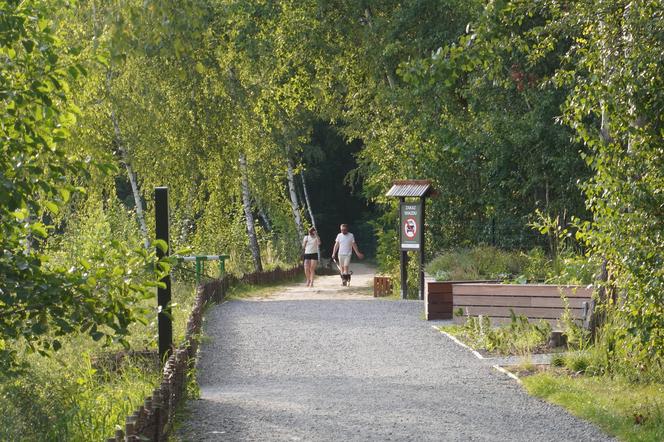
<point>310,243</point>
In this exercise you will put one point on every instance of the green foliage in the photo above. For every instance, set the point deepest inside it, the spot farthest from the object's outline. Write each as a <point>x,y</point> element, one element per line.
<point>577,336</point>
<point>558,360</point>
<point>41,300</point>
<point>71,396</point>
<point>480,262</point>
<point>608,57</point>
<point>519,336</point>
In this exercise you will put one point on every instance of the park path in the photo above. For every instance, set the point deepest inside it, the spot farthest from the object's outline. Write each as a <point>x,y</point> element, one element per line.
<point>334,364</point>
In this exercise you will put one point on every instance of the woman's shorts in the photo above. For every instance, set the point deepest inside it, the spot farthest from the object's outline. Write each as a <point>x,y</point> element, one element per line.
<point>311,256</point>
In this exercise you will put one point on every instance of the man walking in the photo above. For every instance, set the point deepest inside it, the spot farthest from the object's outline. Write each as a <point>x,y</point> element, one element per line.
<point>345,245</point>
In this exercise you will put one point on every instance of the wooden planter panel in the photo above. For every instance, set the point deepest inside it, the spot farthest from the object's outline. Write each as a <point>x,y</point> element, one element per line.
<point>536,301</point>
<point>543,290</point>
<point>438,299</point>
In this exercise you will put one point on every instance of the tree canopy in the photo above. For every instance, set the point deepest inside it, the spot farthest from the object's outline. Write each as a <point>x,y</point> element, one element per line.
<point>511,108</point>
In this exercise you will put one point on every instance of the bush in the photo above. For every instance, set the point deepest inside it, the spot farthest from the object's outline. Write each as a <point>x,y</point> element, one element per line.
<point>519,336</point>
<point>66,397</point>
<point>480,262</point>
<point>486,262</point>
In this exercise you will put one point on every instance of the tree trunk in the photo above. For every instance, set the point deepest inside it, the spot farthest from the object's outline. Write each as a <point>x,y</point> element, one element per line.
<point>124,157</point>
<point>295,206</point>
<point>308,204</point>
<point>266,220</point>
<point>249,217</point>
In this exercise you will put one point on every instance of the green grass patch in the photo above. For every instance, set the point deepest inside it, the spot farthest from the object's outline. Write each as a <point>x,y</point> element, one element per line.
<point>71,396</point>
<point>82,392</point>
<point>631,412</point>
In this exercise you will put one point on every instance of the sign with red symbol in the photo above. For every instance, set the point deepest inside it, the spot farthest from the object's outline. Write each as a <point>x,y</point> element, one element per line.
<point>410,226</point>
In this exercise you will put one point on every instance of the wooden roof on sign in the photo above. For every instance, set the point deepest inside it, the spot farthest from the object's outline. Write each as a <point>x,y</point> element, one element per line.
<point>410,188</point>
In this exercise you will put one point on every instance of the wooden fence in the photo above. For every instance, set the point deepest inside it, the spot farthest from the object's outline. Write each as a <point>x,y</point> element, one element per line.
<point>153,420</point>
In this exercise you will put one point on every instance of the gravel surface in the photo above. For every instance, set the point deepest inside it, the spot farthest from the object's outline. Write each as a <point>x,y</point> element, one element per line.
<point>346,370</point>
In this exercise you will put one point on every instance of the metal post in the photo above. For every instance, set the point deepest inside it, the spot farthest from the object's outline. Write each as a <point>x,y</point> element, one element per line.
<point>165,325</point>
<point>404,263</point>
<point>199,270</point>
<point>422,230</point>
<point>222,266</point>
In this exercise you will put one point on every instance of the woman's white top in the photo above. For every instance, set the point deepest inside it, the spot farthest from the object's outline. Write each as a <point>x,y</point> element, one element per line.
<point>310,244</point>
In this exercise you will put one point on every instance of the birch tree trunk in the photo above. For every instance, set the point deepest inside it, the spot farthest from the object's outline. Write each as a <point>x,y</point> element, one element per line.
<point>124,157</point>
<point>266,220</point>
<point>295,206</point>
<point>308,204</point>
<point>249,217</point>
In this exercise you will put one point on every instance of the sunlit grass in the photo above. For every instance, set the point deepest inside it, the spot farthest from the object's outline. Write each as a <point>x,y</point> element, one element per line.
<point>628,411</point>
<point>78,395</point>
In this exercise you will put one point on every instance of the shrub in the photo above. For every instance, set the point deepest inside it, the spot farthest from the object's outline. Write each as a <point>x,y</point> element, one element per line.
<point>577,362</point>
<point>558,360</point>
<point>480,262</point>
<point>519,336</point>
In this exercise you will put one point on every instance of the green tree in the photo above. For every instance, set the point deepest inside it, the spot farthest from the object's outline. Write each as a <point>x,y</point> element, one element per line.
<point>40,302</point>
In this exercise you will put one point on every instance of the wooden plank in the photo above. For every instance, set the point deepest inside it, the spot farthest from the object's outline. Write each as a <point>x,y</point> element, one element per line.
<point>435,315</point>
<point>516,301</point>
<point>440,308</point>
<point>530,312</point>
<point>500,321</point>
<point>445,297</point>
<point>539,290</point>
<point>498,301</point>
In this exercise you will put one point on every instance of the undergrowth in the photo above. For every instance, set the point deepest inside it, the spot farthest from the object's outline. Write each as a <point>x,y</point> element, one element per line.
<point>83,391</point>
<point>519,336</point>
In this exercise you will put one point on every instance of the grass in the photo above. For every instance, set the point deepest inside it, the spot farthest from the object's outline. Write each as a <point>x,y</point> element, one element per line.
<point>70,397</point>
<point>631,412</point>
<point>76,394</point>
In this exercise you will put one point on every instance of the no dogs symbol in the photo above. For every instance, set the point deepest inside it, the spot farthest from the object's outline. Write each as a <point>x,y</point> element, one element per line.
<point>410,228</point>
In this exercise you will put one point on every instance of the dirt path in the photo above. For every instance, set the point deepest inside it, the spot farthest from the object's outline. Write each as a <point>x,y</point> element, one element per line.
<point>328,287</point>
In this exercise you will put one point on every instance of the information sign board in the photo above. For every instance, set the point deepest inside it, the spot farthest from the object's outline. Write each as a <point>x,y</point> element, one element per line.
<point>411,225</point>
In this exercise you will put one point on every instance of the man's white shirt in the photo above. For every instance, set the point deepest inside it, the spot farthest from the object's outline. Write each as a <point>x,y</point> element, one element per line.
<point>345,243</point>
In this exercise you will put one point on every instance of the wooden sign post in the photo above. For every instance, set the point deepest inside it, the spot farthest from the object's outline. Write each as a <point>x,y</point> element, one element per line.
<point>411,226</point>
<point>164,322</point>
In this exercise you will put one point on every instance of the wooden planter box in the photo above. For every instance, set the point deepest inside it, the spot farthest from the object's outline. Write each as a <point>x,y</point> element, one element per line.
<point>438,301</point>
<point>535,301</point>
<point>382,286</point>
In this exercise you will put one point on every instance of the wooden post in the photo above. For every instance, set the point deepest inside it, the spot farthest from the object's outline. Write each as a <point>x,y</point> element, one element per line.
<point>423,230</point>
<point>165,324</point>
<point>404,264</point>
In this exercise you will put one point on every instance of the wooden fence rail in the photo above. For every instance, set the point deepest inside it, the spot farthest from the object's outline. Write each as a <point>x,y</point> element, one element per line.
<point>153,420</point>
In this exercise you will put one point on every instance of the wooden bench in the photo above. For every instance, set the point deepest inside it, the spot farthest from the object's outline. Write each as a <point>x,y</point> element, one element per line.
<point>535,301</point>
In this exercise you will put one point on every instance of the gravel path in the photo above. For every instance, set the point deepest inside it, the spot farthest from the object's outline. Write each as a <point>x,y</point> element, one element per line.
<point>355,369</point>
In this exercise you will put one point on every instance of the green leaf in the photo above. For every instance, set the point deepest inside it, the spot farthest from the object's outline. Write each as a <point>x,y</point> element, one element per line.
<point>39,229</point>
<point>161,245</point>
<point>52,207</point>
